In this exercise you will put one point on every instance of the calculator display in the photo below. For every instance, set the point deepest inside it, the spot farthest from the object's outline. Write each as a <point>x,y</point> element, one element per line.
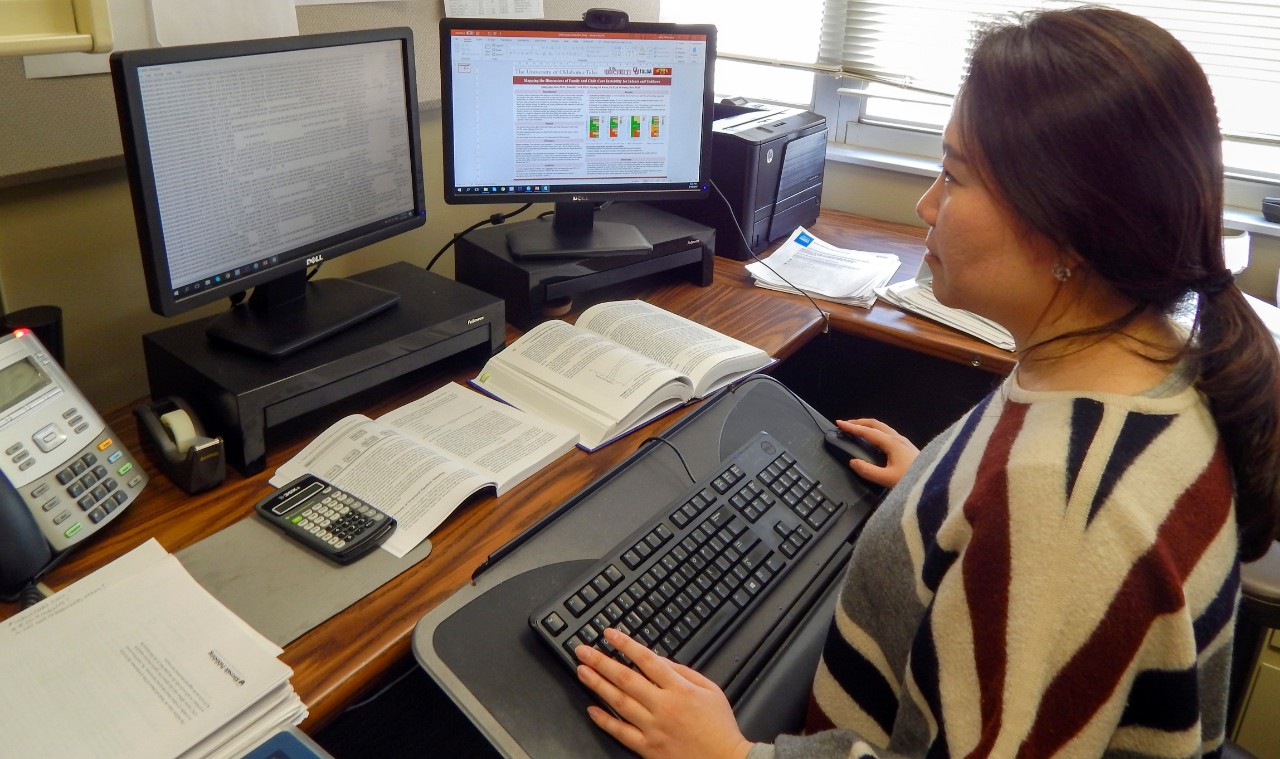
<point>284,507</point>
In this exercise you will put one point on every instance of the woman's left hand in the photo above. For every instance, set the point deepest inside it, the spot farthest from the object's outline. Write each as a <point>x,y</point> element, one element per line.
<point>669,711</point>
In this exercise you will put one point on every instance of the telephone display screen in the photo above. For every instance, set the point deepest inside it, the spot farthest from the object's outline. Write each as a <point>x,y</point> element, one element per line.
<point>19,381</point>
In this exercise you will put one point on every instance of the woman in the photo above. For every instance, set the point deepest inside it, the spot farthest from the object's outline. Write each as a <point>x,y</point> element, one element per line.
<point>1056,574</point>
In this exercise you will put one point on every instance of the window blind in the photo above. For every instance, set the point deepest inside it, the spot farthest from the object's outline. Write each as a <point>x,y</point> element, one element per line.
<point>923,44</point>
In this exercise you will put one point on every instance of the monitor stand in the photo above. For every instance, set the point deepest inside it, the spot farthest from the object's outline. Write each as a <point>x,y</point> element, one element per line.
<point>534,288</point>
<point>574,232</point>
<point>239,396</point>
<point>284,316</point>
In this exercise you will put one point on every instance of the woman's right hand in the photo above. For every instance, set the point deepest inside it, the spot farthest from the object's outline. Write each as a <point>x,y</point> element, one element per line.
<point>899,452</point>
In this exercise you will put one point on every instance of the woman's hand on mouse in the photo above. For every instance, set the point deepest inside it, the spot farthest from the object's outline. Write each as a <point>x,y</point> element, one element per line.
<point>899,452</point>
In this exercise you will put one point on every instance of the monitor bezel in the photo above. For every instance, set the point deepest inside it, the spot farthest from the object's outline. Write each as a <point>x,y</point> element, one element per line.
<point>588,194</point>
<point>125,66</point>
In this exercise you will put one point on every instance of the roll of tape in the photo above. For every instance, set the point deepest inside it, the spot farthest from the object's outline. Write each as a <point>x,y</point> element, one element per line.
<point>180,428</point>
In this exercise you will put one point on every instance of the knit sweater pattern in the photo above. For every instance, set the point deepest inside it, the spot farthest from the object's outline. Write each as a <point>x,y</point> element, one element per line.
<point>1056,576</point>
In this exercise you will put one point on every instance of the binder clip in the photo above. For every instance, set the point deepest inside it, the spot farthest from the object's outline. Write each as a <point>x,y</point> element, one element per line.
<point>175,440</point>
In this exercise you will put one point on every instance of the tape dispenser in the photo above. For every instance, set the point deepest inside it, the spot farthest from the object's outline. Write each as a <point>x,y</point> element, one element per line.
<point>175,440</point>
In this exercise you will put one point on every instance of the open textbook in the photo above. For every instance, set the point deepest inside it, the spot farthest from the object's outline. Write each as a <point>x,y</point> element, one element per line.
<point>421,461</point>
<point>137,660</point>
<point>623,364</point>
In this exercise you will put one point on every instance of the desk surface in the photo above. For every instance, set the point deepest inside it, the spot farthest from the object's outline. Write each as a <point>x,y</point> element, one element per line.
<point>363,645</point>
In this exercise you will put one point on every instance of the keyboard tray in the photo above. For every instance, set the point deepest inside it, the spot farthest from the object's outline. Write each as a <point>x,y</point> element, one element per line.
<point>685,580</point>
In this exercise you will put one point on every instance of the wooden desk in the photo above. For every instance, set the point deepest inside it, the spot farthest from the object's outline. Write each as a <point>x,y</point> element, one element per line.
<point>358,648</point>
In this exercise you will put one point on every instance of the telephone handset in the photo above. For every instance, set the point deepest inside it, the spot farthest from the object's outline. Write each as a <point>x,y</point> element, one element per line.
<point>23,550</point>
<point>63,465</point>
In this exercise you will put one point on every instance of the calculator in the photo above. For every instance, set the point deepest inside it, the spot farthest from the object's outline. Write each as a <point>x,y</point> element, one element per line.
<point>326,518</point>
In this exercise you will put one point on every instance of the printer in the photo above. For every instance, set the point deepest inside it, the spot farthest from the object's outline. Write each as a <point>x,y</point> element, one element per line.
<point>768,162</point>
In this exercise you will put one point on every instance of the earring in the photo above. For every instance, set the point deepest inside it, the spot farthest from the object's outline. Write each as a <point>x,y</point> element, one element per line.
<point>1061,272</point>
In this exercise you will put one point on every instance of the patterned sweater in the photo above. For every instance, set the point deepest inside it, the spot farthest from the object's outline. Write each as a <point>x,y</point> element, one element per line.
<point>1055,576</point>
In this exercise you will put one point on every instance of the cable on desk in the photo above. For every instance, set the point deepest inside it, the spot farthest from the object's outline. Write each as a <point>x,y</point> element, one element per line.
<point>365,702</point>
<point>672,446</point>
<point>494,219</point>
<point>826,318</point>
<point>31,595</point>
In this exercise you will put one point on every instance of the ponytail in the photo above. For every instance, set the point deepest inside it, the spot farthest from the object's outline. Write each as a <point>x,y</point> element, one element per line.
<point>1240,377</point>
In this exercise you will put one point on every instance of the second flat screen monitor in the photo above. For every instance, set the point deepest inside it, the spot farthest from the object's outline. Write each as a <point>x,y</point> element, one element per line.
<point>555,111</point>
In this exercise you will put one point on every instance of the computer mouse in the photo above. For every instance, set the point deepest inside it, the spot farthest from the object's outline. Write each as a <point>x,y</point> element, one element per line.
<point>844,446</point>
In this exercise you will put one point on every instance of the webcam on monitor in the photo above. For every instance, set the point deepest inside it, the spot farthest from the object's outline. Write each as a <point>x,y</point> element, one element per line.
<point>607,19</point>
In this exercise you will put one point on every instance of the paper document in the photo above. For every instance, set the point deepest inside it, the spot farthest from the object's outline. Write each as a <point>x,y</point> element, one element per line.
<point>494,8</point>
<point>421,461</point>
<point>168,669</point>
<point>824,271</point>
<point>917,296</point>
<point>186,22</point>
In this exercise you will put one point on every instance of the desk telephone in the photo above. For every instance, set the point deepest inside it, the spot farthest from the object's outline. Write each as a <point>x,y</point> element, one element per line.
<point>65,474</point>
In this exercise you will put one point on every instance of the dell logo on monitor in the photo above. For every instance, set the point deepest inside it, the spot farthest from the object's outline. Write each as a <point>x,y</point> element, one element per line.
<point>580,198</point>
<point>312,260</point>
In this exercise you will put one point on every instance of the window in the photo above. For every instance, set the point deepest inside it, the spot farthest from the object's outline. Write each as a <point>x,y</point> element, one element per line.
<point>922,44</point>
<point>903,59</point>
<point>744,32</point>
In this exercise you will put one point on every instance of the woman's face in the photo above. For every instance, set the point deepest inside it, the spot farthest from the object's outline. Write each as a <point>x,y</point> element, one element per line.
<point>982,258</point>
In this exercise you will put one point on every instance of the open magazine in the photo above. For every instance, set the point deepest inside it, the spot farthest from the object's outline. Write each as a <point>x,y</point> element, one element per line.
<point>824,271</point>
<point>623,364</point>
<point>421,461</point>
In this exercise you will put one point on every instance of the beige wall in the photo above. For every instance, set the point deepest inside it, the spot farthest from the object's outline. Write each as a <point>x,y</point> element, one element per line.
<point>71,242</point>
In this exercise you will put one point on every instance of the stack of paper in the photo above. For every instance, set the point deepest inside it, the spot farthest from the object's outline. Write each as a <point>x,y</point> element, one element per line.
<point>824,271</point>
<point>138,660</point>
<point>917,297</point>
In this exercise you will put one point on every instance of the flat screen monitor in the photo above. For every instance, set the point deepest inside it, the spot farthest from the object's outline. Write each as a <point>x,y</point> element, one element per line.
<point>559,111</point>
<point>252,162</point>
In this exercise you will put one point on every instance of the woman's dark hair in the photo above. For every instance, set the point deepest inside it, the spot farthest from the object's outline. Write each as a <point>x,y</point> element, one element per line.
<point>1099,131</point>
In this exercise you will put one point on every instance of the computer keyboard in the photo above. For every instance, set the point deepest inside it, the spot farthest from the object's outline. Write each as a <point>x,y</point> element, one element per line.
<point>685,580</point>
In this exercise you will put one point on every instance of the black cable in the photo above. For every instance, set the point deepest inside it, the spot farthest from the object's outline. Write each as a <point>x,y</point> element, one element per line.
<point>826,318</point>
<point>494,219</point>
<point>673,447</point>
<point>818,421</point>
<point>365,702</point>
<point>31,584</point>
<point>31,595</point>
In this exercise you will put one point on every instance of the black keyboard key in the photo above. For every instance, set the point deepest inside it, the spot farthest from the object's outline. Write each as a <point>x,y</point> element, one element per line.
<point>554,624</point>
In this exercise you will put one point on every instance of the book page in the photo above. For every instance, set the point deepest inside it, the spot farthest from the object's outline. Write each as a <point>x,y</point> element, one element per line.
<point>585,369</point>
<point>500,441</point>
<point>165,664</point>
<point>706,356</point>
<point>416,485</point>
<point>419,462</point>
